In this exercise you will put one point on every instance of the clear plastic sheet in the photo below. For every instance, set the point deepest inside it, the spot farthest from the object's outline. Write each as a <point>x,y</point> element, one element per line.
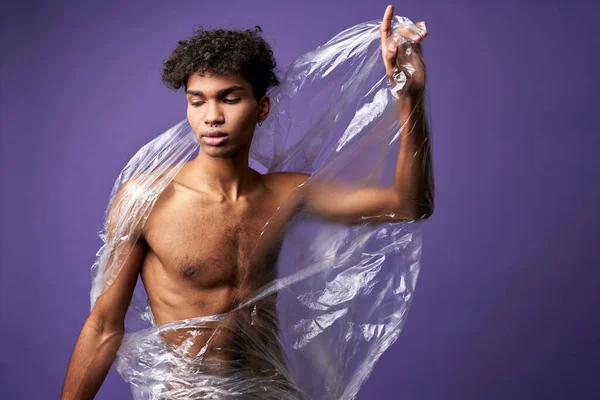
<point>338,294</point>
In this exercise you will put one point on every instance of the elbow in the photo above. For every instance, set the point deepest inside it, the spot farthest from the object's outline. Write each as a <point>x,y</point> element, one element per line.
<point>422,214</point>
<point>417,214</point>
<point>110,337</point>
<point>422,207</point>
<point>108,329</point>
<point>413,209</point>
<point>113,334</point>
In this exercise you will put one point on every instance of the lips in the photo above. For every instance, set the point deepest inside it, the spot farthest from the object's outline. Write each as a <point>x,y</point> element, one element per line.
<point>214,138</point>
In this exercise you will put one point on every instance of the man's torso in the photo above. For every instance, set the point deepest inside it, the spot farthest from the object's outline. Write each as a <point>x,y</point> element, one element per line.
<point>199,248</point>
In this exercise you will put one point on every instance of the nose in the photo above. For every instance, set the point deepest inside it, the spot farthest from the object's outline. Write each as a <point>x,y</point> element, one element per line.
<point>213,115</point>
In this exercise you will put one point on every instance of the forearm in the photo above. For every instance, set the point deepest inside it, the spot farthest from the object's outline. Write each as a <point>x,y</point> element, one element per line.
<point>92,357</point>
<point>413,181</point>
<point>409,198</point>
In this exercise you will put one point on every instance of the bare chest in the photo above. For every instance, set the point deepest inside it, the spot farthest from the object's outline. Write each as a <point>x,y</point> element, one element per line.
<point>202,244</point>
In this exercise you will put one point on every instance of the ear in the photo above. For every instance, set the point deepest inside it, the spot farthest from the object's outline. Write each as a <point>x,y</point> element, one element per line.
<point>264,106</point>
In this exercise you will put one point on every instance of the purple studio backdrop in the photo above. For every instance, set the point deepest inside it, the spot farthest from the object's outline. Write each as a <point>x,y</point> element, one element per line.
<point>508,299</point>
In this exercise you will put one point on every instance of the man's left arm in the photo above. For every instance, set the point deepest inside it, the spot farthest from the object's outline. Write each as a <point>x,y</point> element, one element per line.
<point>411,196</point>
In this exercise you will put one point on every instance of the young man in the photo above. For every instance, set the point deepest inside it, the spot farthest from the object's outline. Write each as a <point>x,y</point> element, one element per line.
<point>197,253</point>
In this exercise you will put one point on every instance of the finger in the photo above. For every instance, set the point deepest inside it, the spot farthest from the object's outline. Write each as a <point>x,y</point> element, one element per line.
<point>386,25</point>
<point>422,30</point>
<point>414,33</point>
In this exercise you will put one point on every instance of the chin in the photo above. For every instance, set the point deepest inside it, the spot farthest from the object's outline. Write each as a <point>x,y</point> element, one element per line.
<point>219,151</point>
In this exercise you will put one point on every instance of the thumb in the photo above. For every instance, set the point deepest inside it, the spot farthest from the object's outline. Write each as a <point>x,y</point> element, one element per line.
<point>392,52</point>
<point>392,45</point>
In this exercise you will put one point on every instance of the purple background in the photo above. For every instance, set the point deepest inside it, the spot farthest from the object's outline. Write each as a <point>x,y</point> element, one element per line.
<point>508,299</point>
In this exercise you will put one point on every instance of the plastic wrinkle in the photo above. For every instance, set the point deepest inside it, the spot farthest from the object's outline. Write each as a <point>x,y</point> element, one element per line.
<point>341,291</point>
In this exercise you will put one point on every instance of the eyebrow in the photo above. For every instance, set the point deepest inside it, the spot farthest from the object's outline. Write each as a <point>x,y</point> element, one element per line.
<point>222,92</point>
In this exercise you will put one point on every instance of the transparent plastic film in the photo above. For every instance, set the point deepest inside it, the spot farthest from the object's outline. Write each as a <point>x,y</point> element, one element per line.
<point>329,284</point>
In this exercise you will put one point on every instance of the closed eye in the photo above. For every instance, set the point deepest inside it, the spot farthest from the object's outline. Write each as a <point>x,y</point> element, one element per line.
<point>231,101</point>
<point>196,103</point>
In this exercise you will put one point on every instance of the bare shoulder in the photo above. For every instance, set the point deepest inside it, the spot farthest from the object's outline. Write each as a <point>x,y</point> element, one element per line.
<point>135,189</point>
<point>130,201</point>
<point>285,181</point>
<point>143,185</point>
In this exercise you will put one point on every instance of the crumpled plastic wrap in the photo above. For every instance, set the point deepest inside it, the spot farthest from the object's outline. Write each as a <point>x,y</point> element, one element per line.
<point>338,295</point>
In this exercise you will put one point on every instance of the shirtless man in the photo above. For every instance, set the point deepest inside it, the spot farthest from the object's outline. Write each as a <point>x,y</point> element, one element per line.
<point>195,252</point>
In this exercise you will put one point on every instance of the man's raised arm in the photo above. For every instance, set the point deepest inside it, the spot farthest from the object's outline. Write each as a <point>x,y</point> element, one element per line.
<point>101,335</point>
<point>411,196</point>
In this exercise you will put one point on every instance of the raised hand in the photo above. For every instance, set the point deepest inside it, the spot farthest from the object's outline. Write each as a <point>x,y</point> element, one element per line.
<point>401,52</point>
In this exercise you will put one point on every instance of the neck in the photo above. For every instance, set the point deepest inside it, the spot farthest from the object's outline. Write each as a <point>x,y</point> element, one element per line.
<point>228,177</point>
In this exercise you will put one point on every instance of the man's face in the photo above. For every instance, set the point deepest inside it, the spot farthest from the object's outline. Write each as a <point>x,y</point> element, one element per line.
<point>223,113</point>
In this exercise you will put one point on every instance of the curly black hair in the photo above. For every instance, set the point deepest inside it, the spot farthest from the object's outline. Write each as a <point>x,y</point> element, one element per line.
<point>223,52</point>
